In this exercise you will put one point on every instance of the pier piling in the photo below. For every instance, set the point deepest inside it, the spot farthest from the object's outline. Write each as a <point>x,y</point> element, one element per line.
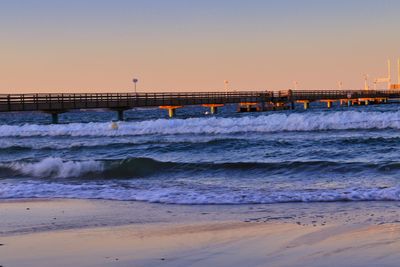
<point>328,103</point>
<point>213,107</point>
<point>306,104</point>
<point>171,110</point>
<point>120,115</point>
<point>54,115</point>
<point>54,118</point>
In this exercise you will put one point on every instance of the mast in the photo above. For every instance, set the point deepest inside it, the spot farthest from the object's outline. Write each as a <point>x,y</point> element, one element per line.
<point>389,79</point>
<point>398,71</point>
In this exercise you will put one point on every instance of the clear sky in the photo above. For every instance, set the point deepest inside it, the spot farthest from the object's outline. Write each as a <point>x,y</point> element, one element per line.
<point>194,45</point>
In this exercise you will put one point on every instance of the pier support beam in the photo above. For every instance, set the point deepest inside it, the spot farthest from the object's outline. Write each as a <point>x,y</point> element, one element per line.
<point>54,115</point>
<point>365,101</point>
<point>290,99</point>
<point>54,118</point>
<point>213,107</point>
<point>328,102</point>
<point>306,103</point>
<point>249,107</point>
<point>120,115</point>
<point>346,102</point>
<point>378,100</point>
<point>171,110</point>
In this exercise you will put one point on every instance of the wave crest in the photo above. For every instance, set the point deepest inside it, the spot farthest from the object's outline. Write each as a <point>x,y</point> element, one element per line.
<point>55,167</point>
<point>147,167</point>
<point>312,121</point>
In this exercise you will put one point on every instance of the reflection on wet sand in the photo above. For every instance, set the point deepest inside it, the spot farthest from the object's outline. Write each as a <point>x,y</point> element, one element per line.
<point>112,233</point>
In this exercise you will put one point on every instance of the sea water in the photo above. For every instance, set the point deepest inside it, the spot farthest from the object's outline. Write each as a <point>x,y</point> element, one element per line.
<point>317,155</point>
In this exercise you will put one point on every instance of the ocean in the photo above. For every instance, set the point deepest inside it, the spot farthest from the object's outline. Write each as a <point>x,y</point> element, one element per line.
<point>317,155</point>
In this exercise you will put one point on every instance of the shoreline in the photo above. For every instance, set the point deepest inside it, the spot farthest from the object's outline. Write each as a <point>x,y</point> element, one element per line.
<point>71,232</point>
<point>25,215</point>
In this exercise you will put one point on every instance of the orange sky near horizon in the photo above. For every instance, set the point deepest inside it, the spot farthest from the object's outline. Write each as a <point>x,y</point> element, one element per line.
<point>257,45</point>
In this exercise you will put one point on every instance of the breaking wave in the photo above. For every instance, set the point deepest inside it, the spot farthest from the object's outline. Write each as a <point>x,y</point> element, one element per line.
<point>52,167</point>
<point>316,121</point>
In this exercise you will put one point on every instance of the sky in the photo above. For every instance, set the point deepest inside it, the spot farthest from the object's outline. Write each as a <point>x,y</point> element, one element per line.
<point>194,45</point>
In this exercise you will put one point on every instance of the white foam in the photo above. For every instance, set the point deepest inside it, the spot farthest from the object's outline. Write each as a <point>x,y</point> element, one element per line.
<point>191,196</point>
<point>306,121</point>
<point>56,167</point>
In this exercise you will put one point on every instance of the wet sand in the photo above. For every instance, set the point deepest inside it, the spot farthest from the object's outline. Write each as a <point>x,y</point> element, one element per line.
<point>115,233</point>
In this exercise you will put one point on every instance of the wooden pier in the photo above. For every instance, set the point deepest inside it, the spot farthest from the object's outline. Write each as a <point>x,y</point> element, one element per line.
<point>55,104</point>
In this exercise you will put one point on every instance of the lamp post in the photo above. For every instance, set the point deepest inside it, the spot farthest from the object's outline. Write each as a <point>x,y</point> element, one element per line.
<point>340,85</point>
<point>135,80</point>
<point>366,86</point>
<point>295,84</point>
<point>226,82</point>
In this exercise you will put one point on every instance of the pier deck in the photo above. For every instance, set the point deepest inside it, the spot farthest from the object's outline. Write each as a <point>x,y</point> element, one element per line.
<point>54,102</point>
<point>59,103</point>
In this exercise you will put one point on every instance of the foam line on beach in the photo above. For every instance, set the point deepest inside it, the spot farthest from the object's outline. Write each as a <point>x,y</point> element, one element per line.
<point>163,193</point>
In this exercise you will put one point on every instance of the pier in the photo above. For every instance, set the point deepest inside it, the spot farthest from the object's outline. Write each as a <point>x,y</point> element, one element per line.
<point>55,104</point>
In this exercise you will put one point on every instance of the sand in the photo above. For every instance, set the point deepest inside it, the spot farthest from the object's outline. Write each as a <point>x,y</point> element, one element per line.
<point>115,233</point>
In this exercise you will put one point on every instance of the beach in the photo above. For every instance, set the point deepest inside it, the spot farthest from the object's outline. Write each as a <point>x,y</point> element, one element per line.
<point>65,232</point>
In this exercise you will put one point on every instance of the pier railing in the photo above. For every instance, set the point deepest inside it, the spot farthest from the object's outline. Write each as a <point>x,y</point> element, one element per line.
<point>315,95</point>
<point>48,102</point>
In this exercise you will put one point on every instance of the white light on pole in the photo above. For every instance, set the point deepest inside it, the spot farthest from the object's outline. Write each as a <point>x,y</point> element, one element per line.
<point>226,82</point>
<point>340,85</point>
<point>366,86</point>
<point>295,84</point>
<point>135,80</point>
